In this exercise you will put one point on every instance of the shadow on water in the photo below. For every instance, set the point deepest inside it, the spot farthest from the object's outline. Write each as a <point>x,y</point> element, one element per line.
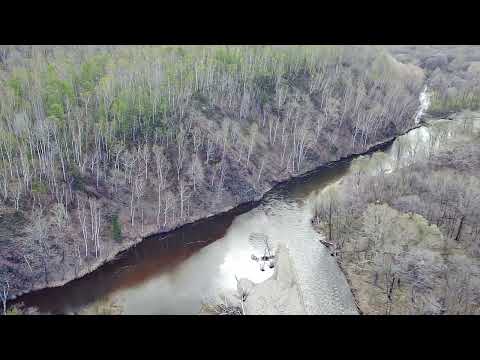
<point>154,255</point>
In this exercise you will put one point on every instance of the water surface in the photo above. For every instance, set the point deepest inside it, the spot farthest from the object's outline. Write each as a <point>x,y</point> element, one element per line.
<point>176,273</point>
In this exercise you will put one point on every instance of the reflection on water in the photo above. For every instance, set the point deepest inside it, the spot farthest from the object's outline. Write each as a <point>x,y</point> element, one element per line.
<point>174,274</point>
<point>157,276</point>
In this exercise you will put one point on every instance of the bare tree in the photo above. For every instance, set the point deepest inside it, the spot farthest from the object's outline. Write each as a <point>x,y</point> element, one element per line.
<point>253,133</point>
<point>168,198</point>
<point>95,220</point>
<point>4,295</point>
<point>38,231</point>
<point>184,196</point>
<point>82,217</point>
<point>197,171</point>
<point>138,190</point>
<point>60,216</point>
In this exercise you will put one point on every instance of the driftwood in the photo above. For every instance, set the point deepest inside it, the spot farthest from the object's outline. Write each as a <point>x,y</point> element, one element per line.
<point>224,309</point>
<point>28,263</point>
<point>327,243</point>
<point>262,258</point>
<point>268,255</point>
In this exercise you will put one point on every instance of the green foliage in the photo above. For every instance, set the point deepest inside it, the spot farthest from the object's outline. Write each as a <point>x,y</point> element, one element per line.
<point>230,60</point>
<point>91,71</point>
<point>443,104</point>
<point>56,111</point>
<point>14,310</point>
<point>128,94</point>
<point>39,188</point>
<point>200,97</point>
<point>132,91</point>
<point>102,307</point>
<point>8,140</point>
<point>18,84</point>
<point>265,85</point>
<point>116,229</point>
<point>120,106</point>
<point>56,93</point>
<point>76,176</point>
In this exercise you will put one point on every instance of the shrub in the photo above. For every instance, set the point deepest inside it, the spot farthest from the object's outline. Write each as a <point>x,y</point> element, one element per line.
<point>39,187</point>
<point>116,229</point>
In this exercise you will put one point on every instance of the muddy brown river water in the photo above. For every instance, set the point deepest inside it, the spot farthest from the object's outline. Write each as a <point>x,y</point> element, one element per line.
<point>174,274</point>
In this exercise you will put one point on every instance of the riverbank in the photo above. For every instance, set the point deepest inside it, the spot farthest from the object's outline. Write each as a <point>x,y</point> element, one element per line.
<point>405,235</point>
<point>133,166</point>
<point>119,248</point>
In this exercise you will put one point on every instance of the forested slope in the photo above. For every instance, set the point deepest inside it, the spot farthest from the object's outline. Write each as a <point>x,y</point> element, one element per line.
<point>453,74</point>
<point>409,240</point>
<point>103,145</point>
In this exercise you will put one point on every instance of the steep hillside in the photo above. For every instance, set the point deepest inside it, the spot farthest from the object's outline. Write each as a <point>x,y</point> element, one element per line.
<point>409,239</point>
<point>453,74</point>
<point>101,146</point>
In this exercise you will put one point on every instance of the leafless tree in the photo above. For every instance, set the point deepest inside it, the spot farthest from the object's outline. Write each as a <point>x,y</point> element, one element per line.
<point>4,295</point>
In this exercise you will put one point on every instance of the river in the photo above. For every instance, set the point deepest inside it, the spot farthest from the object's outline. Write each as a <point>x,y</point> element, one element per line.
<point>175,274</point>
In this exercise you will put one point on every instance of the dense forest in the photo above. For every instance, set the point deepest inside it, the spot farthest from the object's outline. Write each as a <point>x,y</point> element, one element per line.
<point>453,74</point>
<point>103,145</point>
<point>409,239</point>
